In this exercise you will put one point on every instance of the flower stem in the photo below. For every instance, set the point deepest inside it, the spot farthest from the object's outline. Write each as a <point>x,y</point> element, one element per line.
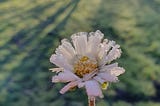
<point>91,101</point>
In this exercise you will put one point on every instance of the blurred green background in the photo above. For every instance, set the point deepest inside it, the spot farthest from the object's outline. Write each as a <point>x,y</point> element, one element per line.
<point>30,30</point>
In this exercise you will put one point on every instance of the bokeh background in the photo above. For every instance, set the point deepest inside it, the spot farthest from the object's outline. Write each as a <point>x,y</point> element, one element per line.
<point>30,30</point>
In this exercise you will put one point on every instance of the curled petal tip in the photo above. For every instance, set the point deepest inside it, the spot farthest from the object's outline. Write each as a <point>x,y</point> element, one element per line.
<point>61,92</point>
<point>101,96</point>
<point>55,79</point>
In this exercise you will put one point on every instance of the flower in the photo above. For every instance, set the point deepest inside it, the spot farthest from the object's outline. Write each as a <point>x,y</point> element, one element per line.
<point>86,62</point>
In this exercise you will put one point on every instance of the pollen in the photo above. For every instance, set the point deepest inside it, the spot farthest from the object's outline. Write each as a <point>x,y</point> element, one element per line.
<point>104,86</point>
<point>84,58</point>
<point>84,65</point>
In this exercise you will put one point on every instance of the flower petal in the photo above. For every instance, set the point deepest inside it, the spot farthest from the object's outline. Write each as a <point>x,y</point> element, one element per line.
<point>65,76</point>
<point>94,41</point>
<point>117,71</point>
<point>81,84</point>
<point>104,49</point>
<point>67,50</point>
<point>113,69</point>
<point>108,77</point>
<point>108,67</point>
<point>93,88</point>
<point>99,79</point>
<point>90,75</point>
<point>57,70</point>
<point>80,42</point>
<point>69,86</point>
<point>113,54</point>
<point>60,61</point>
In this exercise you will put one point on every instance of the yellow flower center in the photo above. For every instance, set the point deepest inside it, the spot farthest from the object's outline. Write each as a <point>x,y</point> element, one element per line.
<point>84,66</point>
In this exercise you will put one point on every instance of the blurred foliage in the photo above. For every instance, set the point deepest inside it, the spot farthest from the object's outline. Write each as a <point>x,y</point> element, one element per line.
<point>30,30</point>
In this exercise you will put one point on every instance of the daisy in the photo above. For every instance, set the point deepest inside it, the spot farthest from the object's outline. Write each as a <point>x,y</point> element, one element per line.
<point>86,62</point>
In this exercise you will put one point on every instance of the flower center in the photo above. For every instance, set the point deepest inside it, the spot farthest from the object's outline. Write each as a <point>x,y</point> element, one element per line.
<point>84,66</point>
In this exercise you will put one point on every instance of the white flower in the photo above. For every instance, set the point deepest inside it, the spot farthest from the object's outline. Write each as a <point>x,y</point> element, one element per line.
<point>86,63</point>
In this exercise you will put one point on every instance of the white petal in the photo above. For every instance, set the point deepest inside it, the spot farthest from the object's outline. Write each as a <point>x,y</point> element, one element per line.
<point>94,42</point>
<point>93,89</point>
<point>108,77</point>
<point>116,71</point>
<point>55,79</point>
<point>57,70</point>
<point>80,42</point>
<point>114,54</point>
<point>60,61</point>
<point>65,76</point>
<point>81,84</point>
<point>99,79</point>
<point>66,50</point>
<point>89,76</point>
<point>108,67</point>
<point>104,49</point>
<point>69,86</point>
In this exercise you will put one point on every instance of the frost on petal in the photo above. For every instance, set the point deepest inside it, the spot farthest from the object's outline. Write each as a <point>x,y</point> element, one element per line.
<point>60,61</point>
<point>67,50</point>
<point>103,51</point>
<point>80,42</point>
<point>113,69</point>
<point>99,79</point>
<point>108,77</point>
<point>93,89</point>
<point>116,71</point>
<point>65,76</point>
<point>113,54</point>
<point>108,67</point>
<point>106,46</point>
<point>94,41</point>
<point>81,84</point>
<point>55,79</point>
<point>69,86</point>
